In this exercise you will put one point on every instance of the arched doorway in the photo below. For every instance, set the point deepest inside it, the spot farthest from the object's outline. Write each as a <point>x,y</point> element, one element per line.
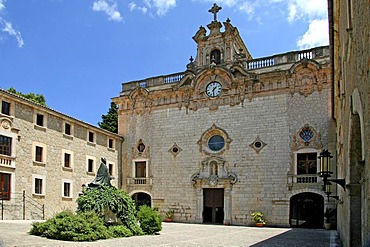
<point>141,199</point>
<point>307,210</point>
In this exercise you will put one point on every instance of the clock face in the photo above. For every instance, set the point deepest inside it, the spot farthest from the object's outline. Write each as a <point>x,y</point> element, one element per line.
<point>213,89</point>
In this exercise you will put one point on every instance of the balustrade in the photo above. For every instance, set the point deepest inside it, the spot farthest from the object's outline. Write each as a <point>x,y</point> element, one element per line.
<point>6,161</point>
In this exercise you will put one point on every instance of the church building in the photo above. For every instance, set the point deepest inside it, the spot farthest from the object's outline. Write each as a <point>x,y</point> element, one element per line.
<point>231,134</point>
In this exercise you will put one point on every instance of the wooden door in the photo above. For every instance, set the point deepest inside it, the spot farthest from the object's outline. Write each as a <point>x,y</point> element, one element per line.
<point>213,211</point>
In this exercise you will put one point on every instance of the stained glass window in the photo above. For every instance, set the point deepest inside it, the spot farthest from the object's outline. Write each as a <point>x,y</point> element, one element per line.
<point>216,143</point>
<point>306,135</point>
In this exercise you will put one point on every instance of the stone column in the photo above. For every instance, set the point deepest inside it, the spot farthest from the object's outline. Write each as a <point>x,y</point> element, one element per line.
<point>199,209</point>
<point>227,206</point>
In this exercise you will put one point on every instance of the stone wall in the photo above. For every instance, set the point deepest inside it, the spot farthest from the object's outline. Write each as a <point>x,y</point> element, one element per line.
<point>351,50</point>
<point>25,133</point>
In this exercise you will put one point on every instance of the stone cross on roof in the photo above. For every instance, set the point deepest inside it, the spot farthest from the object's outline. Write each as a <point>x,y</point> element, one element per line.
<point>214,10</point>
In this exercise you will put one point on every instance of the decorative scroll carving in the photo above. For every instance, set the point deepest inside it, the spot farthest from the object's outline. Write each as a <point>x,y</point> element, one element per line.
<point>214,171</point>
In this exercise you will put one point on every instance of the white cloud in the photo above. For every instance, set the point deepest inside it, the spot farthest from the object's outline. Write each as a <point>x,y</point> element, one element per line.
<point>132,6</point>
<point>109,9</point>
<point>2,5</point>
<point>313,9</point>
<point>7,27</point>
<point>316,35</point>
<point>163,6</point>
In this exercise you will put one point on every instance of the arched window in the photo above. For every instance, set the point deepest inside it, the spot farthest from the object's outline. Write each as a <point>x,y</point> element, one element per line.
<point>216,56</point>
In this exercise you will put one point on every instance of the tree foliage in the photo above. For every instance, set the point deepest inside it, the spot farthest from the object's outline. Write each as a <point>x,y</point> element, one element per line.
<point>103,198</point>
<point>38,98</point>
<point>110,120</point>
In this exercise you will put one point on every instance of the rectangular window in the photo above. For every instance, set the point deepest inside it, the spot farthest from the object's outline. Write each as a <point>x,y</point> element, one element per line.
<point>110,169</point>
<point>90,165</point>
<point>38,154</point>
<point>110,143</point>
<point>5,185</point>
<point>91,136</point>
<point>67,160</point>
<point>306,163</point>
<point>40,119</point>
<point>5,145</point>
<point>5,108</point>
<point>67,189</point>
<point>38,186</point>
<point>67,129</point>
<point>140,169</point>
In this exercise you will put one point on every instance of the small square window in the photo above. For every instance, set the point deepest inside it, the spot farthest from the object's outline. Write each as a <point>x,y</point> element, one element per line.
<point>5,108</point>
<point>91,136</point>
<point>38,154</point>
<point>67,129</point>
<point>39,119</point>
<point>67,160</point>
<point>90,165</point>
<point>5,145</point>
<point>110,143</point>
<point>38,186</point>
<point>66,189</point>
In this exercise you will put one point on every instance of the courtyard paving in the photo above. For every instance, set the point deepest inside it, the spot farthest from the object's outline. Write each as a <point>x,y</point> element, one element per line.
<point>15,233</point>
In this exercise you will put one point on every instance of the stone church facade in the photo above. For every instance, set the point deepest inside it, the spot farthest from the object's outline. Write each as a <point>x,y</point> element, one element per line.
<point>230,135</point>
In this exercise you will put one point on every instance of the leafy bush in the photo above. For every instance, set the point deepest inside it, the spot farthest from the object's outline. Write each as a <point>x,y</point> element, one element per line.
<point>150,220</point>
<point>119,231</point>
<point>72,227</point>
<point>101,198</point>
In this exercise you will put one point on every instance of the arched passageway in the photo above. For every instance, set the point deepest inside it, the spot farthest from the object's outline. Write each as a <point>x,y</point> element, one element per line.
<point>307,210</point>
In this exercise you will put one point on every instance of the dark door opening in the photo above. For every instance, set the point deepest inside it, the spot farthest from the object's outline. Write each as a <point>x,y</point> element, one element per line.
<point>213,211</point>
<point>307,210</point>
<point>142,199</point>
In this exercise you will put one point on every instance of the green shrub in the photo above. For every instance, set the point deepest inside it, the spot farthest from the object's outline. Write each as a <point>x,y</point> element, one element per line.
<point>119,231</point>
<point>71,227</point>
<point>101,198</point>
<point>150,220</point>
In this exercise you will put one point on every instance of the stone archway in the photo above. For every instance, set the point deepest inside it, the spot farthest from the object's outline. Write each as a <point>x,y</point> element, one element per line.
<point>141,199</point>
<point>307,210</point>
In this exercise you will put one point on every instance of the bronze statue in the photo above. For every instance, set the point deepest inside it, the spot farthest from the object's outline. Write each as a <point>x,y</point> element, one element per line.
<point>102,176</point>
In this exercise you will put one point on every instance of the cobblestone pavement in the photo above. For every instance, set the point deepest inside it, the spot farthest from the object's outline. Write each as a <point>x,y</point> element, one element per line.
<point>15,233</point>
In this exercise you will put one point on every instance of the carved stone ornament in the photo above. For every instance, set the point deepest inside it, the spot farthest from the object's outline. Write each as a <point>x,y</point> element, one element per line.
<point>306,137</point>
<point>304,77</point>
<point>6,124</point>
<point>174,150</point>
<point>214,171</point>
<point>257,144</point>
<point>215,140</point>
<point>140,150</point>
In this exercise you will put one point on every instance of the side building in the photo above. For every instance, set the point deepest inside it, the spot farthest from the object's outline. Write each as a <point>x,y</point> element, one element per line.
<point>350,43</point>
<point>46,157</point>
<point>231,135</point>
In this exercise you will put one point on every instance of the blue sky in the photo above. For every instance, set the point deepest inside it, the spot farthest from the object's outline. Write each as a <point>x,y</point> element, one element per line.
<point>78,52</point>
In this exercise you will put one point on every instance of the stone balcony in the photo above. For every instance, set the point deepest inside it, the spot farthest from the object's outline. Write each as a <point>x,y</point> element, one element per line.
<point>260,65</point>
<point>306,180</point>
<point>139,181</point>
<point>7,161</point>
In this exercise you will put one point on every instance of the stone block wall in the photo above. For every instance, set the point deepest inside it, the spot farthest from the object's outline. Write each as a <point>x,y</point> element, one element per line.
<point>26,134</point>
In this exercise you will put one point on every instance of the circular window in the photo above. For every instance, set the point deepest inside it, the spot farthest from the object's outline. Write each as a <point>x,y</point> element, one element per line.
<point>216,143</point>
<point>257,144</point>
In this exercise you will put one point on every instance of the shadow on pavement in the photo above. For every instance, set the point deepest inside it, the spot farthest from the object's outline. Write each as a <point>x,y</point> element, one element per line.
<point>303,237</point>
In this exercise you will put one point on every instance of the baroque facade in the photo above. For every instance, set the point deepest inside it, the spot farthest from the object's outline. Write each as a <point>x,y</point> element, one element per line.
<point>46,157</point>
<point>350,43</point>
<point>231,135</point>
